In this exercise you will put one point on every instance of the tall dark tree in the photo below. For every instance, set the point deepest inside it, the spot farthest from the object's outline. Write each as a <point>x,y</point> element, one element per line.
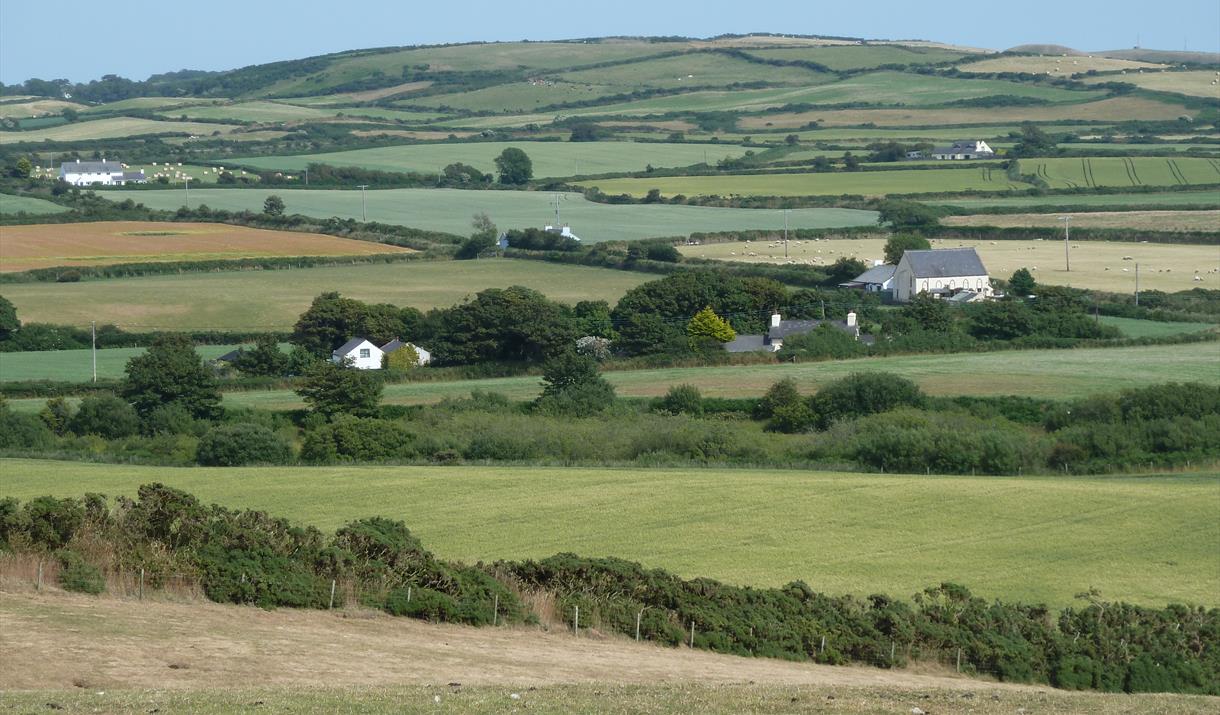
<point>273,206</point>
<point>1034,142</point>
<point>265,359</point>
<point>331,389</point>
<point>1022,283</point>
<point>928,313</point>
<point>330,321</point>
<point>900,243</point>
<point>483,237</point>
<point>514,166</point>
<point>510,324</point>
<point>9,323</point>
<point>170,372</point>
<point>907,215</point>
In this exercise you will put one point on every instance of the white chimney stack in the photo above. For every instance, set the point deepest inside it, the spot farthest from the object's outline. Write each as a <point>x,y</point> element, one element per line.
<point>851,320</point>
<point>775,318</point>
<point>877,262</point>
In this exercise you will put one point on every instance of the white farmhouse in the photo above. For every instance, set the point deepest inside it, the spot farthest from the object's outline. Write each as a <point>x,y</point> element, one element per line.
<point>106,173</point>
<point>565,231</point>
<point>424,356</point>
<point>362,354</point>
<point>975,149</point>
<point>875,280</point>
<point>954,273</point>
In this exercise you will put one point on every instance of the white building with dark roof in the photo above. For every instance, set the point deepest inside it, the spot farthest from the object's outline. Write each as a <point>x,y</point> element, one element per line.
<point>875,280</point>
<point>106,173</point>
<point>960,150</point>
<point>363,354</point>
<point>944,272</point>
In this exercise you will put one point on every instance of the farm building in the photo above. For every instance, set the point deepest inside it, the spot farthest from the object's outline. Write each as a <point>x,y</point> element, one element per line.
<point>974,149</point>
<point>425,355</point>
<point>107,173</point>
<point>875,280</point>
<point>564,231</point>
<point>778,329</point>
<point>954,273</point>
<point>363,354</point>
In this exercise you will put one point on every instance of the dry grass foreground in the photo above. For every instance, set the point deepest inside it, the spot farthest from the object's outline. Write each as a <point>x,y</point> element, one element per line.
<point>1144,220</point>
<point>85,654</point>
<point>108,242</point>
<point>1097,265</point>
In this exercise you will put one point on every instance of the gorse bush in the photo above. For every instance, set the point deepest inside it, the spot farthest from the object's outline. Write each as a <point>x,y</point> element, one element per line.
<point>106,416</point>
<point>234,445</point>
<point>76,574</point>
<point>680,400</point>
<point>360,440</point>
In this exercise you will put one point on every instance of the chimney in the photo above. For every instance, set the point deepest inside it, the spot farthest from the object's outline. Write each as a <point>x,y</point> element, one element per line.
<point>775,318</point>
<point>851,320</point>
<point>877,262</point>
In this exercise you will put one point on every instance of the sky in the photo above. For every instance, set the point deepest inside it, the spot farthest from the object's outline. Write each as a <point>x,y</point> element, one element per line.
<point>81,40</point>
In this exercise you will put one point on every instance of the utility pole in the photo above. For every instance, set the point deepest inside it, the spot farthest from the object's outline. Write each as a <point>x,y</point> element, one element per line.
<point>307,176</point>
<point>1067,233</point>
<point>363,213</point>
<point>187,183</point>
<point>1137,285</point>
<point>93,352</point>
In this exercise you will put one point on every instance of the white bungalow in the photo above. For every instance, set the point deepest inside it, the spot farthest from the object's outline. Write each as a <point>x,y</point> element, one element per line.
<point>424,355</point>
<point>955,273</point>
<point>363,354</point>
<point>106,173</point>
<point>974,149</point>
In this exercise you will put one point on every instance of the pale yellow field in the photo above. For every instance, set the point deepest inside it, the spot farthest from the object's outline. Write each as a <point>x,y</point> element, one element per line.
<point>112,128</point>
<point>1198,83</point>
<point>1147,220</point>
<point>1095,264</point>
<point>37,108</point>
<point>1063,66</point>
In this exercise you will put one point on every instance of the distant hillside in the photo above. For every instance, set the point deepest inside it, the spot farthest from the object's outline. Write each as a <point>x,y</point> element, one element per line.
<point>1035,49</point>
<point>1137,54</point>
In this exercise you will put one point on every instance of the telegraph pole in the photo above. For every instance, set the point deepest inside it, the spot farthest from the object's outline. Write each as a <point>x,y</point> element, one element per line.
<point>1137,285</point>
<point>187,183</point>
<point>307,176</point>
<point>785,233</point>
<point>363,214</point>
<point>1067,232</point>
<point>93,352</point>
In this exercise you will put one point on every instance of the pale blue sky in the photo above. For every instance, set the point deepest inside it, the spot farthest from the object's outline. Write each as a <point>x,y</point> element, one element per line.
<point>81,40</point>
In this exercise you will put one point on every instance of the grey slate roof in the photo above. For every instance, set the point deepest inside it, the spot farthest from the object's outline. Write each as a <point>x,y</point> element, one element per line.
<point>945,263</point>
<point>746,344</point>
<point>792,327</point>
<point>876,274</point>
<point>91,167</point>
<point>133,176</point>
<point>347,347</point>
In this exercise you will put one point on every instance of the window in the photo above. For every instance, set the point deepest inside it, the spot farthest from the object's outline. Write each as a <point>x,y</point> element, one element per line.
<point>364,352</point>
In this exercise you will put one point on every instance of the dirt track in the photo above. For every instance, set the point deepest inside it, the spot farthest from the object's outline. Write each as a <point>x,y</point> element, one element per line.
<point>68,641</point>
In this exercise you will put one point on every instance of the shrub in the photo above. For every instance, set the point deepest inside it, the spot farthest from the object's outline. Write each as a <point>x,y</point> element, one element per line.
<point>106,416</point>
<point>792,419</point>
<point>57,415</point>
<point>240,444</point>
<point>781,394</point>
<point>865,393</point>
<point>169,419</point>
<point>22,431</point>
<point>423,603</point>
<point>680,400</point>
<point>358,439</point>
<point>77,575</point>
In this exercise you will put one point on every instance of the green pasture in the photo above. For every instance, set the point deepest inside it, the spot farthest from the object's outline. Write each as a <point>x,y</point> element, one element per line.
<point>112,128</point>
<point>146,103</point>
<point>1107,202</point>
<point>1087,172</point>
<point>549,158</point>
<point>1150,540</point>
<point>1136,328</point>
<point>852,57</point>
<point>515,96</point>
<point>450,210</point>
<point>77,365</point>
<point>869,183</point>
<point>259,111</point>
<point>15,204</point>
<point>699,69</point>
<point>273,299</point>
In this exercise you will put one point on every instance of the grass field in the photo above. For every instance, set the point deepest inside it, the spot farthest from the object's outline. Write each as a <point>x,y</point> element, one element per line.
<point>29,204</point>
<point>708,70</point>
<point>77,365</point>
<point>851,57</point>
<point>1148,540</point>
<point>256,300</point>
<point>145,103</point>
<point>869,183</point>
<point>1110,110</point>
<point>36,108</point>
<point>1086,172</point>
<point>1135,328</point>
<point>450,210</point>
<point>1146,220</point>
<point>549,158</point>
<point>251,112</point>
<point>368,95</point>
<point>108,242</point>
<point>1196,83</point>
<point>1116,201</point>
<point>1056,66</point>
<point>1095,264</point>
<point>112,128</point>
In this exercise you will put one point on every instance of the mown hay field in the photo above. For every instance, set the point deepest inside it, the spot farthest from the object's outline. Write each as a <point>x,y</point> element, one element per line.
<point>1099,265</point>
<point>549,158</point>
<point>1144,539</point>
<point>851,57</point>
<point>109,242</point>
<point>1196,83</point>
<point>1090,172</point>
<point>1116,201</point>
<point>273,299</point>
<point>1141,220</point>
<point>112,128</point>
<point>450,210</point>
<point>1057,66</point>
<point>868,183</point>
<point>36,108</point>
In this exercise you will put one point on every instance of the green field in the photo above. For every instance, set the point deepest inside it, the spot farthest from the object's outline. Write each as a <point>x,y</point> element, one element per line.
<point>77,365</point>
<point>708,70</point>
<point>851,57</point>
<point>112,128</point>
<point>1116,171</point>
<point>450,210</point>
<point>1135,328</point>
<point>29,204</point>
<point>1103,201</point>
<point>1148,540</point>
<point>869,183</point>
<point>549,158</point>
<point>251,112</point>
<point>272,300</point>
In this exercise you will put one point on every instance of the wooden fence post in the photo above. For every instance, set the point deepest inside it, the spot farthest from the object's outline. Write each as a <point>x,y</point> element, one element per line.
<point>141,584</point>
<point>823,650</point>
<point>637,625</point>
<point>332,595</point>
<point>692,633</point>
<point>576,621</point>
<point>39,586</point>
<point>495,610</point>
<point>959,660</point>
